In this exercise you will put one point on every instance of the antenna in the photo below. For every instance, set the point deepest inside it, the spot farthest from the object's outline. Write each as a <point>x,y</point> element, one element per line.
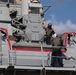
<point>47,8</point>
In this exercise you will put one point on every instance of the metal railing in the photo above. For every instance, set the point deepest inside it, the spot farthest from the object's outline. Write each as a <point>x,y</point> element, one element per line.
<point>30,59</point>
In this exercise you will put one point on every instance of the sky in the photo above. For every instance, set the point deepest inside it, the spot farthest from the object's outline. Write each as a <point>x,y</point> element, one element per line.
<point>62,15</point>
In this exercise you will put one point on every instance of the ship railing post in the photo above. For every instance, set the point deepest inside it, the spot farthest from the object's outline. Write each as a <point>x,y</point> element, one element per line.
<point>43,70</point>
<point>0,49</point>
<point>8,54</point>
<point>12,63</point>
<point>42,55</point>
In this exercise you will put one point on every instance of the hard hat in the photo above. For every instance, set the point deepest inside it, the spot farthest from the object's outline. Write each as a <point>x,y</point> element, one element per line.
<point>49,24</point>
<point>59,35</point>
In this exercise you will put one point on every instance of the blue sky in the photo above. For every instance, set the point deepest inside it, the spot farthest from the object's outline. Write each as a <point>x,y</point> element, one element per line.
<point>62,14</point>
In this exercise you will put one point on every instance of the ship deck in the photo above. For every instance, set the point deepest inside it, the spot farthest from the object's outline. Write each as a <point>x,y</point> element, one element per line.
<point>36,70</point>
<point>40,68</point>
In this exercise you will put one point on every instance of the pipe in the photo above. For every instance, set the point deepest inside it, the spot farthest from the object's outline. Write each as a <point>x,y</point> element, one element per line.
<point>24,7</point>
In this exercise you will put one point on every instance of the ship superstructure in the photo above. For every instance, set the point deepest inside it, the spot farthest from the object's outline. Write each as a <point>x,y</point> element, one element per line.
<point>23,50</point>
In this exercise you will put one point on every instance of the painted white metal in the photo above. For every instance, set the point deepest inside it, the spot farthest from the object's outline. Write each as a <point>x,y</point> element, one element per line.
<point>27,67</point>
<point>60,69</point>
<point>24,8</point>
<point>29,1</point>
<point>4,66</point>
<point>35,5</point>
<point>0,43</point>
<point>47,68</point>
<point>42,55</point>
<point>11,53</point>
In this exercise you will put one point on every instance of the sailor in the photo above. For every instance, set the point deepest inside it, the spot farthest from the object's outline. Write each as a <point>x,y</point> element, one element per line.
<point>56,60</point>
<point>49,32</point>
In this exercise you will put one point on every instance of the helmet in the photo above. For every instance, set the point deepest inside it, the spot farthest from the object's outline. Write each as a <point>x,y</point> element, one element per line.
<point>59,35</point>
<point>49,24</point>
